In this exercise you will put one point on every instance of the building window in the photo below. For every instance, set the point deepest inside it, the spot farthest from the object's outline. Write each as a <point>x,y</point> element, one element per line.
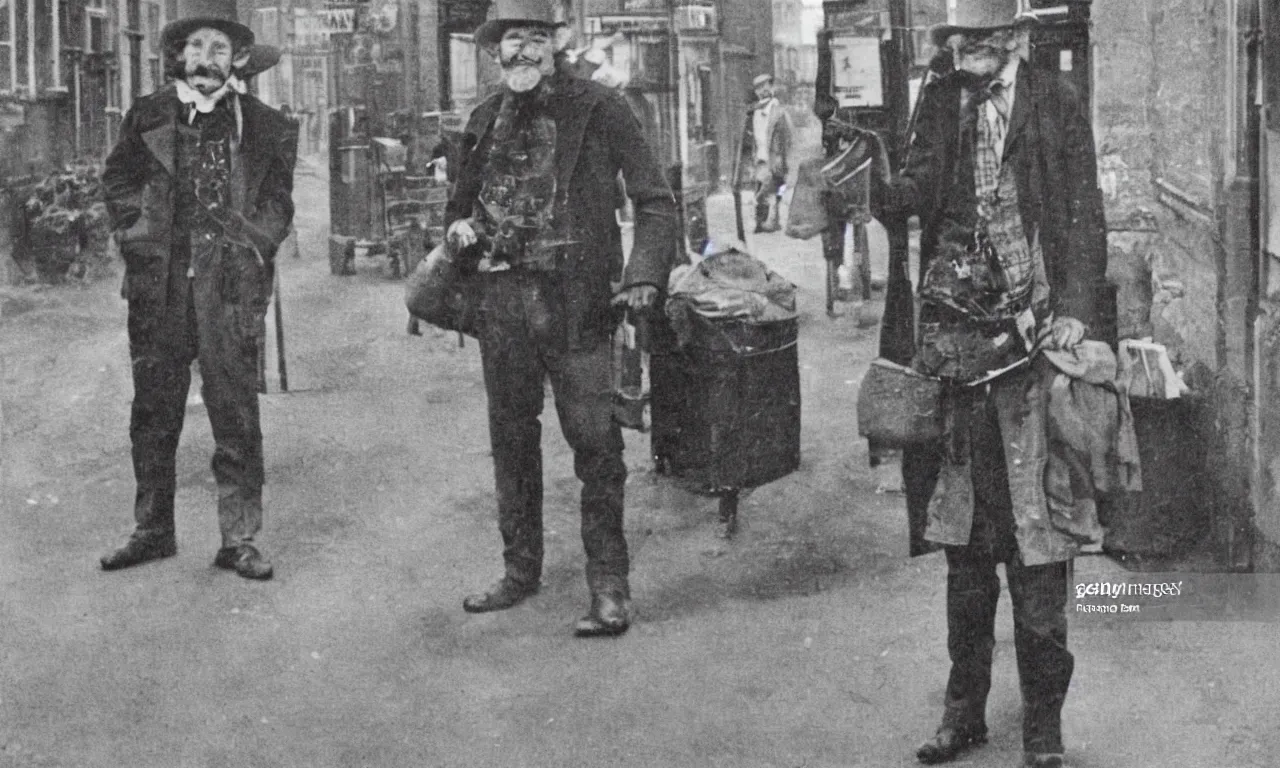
<point>266,26</point>
<point>7,63</point>
<point>133,43</point>
<point>21,69</point>
<point>97,38</point>
<point>463,74</point>
<point>152,33</point>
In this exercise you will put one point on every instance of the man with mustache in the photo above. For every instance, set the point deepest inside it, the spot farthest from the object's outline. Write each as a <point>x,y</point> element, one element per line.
<point>199,188</point>
<point>533,211</point>
<point>1002,171</point>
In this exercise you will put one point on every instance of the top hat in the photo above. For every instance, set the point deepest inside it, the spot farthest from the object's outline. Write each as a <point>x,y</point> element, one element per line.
<point>518,13</point>
<point>176,31</point>
<point>977,16</point>
<point>261,58</point>
<point>760,80</point>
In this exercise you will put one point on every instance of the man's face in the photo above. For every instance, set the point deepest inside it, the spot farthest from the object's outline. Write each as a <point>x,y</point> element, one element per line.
<point>764,91</point>
<point>207,58</point>
<point>526,54</point>
<point>983,54</point>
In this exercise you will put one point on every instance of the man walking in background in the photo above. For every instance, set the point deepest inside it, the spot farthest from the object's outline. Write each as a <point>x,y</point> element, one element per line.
<point>766,139</point>
<point>199,188</point>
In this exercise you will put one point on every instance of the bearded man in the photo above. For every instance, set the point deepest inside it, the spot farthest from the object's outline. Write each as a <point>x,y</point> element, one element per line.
<point>534,203</point>
<point>1002,172</point>
<point>766,139</point>
<point>199,189</point>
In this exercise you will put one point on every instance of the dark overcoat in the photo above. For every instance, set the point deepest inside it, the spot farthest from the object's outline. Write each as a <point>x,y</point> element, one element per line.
<point>1051,149</point>
<point>1050,145</point>
<point>141,191</point>
<point>597,135</point>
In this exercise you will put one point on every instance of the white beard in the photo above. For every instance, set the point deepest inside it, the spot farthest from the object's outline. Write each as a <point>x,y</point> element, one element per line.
<point>521,78</point>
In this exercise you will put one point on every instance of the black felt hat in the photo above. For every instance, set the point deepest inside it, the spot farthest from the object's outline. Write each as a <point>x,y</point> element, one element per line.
<point>177,31</point>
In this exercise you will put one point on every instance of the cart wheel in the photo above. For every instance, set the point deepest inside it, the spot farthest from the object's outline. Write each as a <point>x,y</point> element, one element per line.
<point>833,285</point>
<point>728,514</point>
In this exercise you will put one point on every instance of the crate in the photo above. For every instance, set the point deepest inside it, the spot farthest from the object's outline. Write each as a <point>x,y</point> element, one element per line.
<point>726,408</point>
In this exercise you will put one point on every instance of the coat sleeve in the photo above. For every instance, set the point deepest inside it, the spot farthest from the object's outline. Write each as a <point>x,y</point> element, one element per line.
<point>124,175</point>
<point>1085,271</point>
<point>271,216</point>
<point>654,250</point>
<point>467,188</point>
<point>912,190</point>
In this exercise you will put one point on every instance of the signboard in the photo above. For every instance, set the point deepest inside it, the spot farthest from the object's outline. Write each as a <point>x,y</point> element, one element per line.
<point>336,21</point>
<point>856,79</point>
<point>598,24</point>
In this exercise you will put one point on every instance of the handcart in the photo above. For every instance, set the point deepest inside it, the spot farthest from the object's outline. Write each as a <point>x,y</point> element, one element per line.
<point>379,206</point>
<point>725,408</point>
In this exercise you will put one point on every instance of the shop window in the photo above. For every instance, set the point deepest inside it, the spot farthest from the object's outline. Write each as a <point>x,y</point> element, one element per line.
<point>152,33</point>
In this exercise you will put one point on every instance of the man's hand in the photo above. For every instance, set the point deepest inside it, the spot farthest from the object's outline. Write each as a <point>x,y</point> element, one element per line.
<point>460,235</point>
<point>637,297</point>
<point>1064,333</point>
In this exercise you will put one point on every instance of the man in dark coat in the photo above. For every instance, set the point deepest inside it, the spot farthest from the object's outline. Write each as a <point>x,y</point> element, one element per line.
<point>534,203</point>
<point>1002,172</point>
<point>199,188</point>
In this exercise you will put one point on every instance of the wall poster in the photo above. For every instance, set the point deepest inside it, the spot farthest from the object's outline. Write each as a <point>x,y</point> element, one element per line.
<point>856,77</point>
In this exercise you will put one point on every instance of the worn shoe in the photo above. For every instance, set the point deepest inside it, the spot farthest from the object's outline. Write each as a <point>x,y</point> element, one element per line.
<point>949,742</point>
<point>505,594</point>
<point>1042,760</point>
<point>138,550</point>
<point>246,560</point>
<point>608,617</point>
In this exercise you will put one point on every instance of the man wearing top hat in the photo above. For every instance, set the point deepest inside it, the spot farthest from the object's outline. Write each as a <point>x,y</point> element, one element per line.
<point>766,139</point>
<point>534,206</point>
<point>199,188</point>
<point>1002,171</point>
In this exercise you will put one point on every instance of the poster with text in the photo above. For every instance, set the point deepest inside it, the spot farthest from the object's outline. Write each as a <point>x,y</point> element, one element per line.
<point>856,79</point>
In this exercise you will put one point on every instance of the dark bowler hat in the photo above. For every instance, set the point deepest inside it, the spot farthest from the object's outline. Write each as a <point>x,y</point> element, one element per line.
<point>978,16</point>
<point>518,13</point>
<point>176,32</point>
<point>261,58</point>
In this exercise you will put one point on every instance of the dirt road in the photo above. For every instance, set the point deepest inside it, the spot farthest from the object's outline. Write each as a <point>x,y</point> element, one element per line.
<point>811,640</point>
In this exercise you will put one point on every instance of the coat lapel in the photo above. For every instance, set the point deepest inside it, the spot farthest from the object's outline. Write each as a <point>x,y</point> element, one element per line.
<point>1022,108</point>
<point>161,141</point>
<point>571,112</point>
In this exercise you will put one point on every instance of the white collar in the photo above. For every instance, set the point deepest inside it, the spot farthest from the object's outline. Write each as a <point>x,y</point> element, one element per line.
<point>201,103</point>
<point>205,103</point>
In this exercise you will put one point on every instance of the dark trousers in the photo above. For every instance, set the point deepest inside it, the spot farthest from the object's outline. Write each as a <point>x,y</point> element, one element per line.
<point>768,196</point>
<point>1039,596</point>
<point>519,353</point>
<point>196,322</point>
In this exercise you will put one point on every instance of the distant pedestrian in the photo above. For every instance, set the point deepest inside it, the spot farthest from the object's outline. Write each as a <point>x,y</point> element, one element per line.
<point>199,189</point>
<point>766,141</point>
<point>1002,172</point>
<point>535,196</point>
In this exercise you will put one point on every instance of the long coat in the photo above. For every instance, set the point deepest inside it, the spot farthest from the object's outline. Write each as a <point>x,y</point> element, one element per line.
<point>141,192</point>
<point>596,137</point>
<point>779,130</point>
<point>1050,145</point>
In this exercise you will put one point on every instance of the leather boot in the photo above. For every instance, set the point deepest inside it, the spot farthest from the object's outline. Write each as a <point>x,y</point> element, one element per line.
<point>138,550</point>
<point>246,560</point>
<point>609,616</point>
<point>506,593</point>
<point>948,743</point>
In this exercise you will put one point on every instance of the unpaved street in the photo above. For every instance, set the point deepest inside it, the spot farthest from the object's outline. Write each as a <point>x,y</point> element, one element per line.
<point>811,640</point>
